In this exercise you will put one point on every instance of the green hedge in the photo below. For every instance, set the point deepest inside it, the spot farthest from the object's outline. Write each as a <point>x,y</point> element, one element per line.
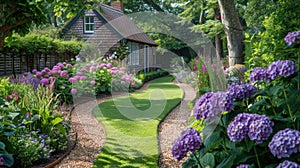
<point>34,43</point>
<point>145,77</point>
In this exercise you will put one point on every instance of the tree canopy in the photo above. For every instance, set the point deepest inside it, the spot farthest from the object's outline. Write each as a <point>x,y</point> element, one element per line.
<point>19,15</point>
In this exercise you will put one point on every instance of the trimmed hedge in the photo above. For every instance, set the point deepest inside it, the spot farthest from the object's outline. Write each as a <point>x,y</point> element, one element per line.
<point>145,77</point>
<point>39,44</point>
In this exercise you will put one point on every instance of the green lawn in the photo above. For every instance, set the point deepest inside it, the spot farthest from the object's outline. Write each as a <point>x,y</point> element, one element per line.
<point>131,125</point>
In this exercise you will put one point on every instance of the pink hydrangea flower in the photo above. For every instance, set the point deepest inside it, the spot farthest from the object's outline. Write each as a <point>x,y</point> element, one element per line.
<point>73,91</point>
<point>93,82</point>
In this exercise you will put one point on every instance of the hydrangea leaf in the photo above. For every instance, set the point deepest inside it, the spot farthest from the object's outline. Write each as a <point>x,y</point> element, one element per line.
<point>213,140</point>
<point>208,160</point>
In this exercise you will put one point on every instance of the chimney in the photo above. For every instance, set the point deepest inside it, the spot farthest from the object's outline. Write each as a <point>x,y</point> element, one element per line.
<point>117,5</point>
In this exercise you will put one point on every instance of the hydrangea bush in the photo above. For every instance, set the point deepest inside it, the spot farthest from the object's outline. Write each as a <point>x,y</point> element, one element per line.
<point>260,129</point>
<point>32,127</point>
<point>76,78</point>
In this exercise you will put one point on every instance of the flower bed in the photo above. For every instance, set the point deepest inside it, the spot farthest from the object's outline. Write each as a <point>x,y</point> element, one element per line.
<point>32,127</point>
<point>253,124</point>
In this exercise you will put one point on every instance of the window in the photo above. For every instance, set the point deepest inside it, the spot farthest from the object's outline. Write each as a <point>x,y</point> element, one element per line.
<point>134,53</point>
<point>89,24</point>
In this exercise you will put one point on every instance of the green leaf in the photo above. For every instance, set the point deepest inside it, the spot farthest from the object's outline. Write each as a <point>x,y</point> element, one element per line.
<point>102,88</point>
<point>212,140</point>
<point>2,146</point>
<point>13,115</point>
<point>259,103</point>
<point>9,133</point>
<point>60,128</point>
<point>271,166</point>
<point>56,121</point>
<point>189,163</point>
<point>210,127</point>
<point>275,89</point>
<point>208,160</point>
<point>8,159</point>
<point>228,162</point>
<point>229,144</point>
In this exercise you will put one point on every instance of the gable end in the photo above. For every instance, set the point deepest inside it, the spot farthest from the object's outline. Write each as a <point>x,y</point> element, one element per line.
<point>100,17</point>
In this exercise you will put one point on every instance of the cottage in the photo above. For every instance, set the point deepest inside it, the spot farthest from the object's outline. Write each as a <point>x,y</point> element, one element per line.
<point>108,27</point>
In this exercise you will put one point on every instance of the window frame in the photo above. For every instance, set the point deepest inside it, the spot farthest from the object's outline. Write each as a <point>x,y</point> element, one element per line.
<point>90,22</point>
<point>134,56</point>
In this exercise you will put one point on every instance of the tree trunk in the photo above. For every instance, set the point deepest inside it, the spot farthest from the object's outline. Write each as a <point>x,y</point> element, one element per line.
<point>219,45</point>
<point>218,40</point>
<point>233,30</point>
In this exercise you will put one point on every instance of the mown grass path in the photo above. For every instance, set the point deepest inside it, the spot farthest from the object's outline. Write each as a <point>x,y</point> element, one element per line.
<point>131,124</point>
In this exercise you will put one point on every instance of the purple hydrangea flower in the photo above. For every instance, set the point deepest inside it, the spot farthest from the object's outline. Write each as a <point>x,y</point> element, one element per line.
<point>256,127</point>
<point>291,37</point>
<point>64,73</point>
<point>44,81</point>
<point>83,78</point>
<point>101,66</point>
<point>93,68</point>
<point>114,68</point>
<point>258,74</point>
<point>260,129</point>
<point>79,73</point>
<point>39,74</point>
<point>241,91</point>
<point>212,104</point>
<point>189,140</point>
<point>108,66</point>
<point>83,70</point>
<point>238,129</point>
<point>77,77</point>
<point>243,166</point>
<point>287,163</point>
<point>72,80</point>
<point>284,143</point>
<point>56,68</point>
<point>113,72</point>
<point>35,83</point>
<point>283,68</point>
<point>61,65</point>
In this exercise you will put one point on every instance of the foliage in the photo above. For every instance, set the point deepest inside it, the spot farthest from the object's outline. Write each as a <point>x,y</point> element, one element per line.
<point>147,76</point>
<point>275,101</point>
<point>268,45</point>
<point>5,158</point>
<point>256,11</point>
<point>34,43</point>
<point>201,75</point>
<point>204,15</point>
<point>30,129</point>
<point>32,146</point>
<point>18,15</point>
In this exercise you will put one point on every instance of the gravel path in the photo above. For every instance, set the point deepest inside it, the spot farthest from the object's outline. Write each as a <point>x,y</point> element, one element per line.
<point>172,126</point>
<point>91,134</point>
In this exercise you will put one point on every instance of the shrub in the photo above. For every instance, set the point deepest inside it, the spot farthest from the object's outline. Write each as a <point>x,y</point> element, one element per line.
<point>262,124</point>
<point>262,128</point>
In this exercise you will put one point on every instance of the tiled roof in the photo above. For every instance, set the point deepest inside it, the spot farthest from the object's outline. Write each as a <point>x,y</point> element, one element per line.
<point>122,24</point>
